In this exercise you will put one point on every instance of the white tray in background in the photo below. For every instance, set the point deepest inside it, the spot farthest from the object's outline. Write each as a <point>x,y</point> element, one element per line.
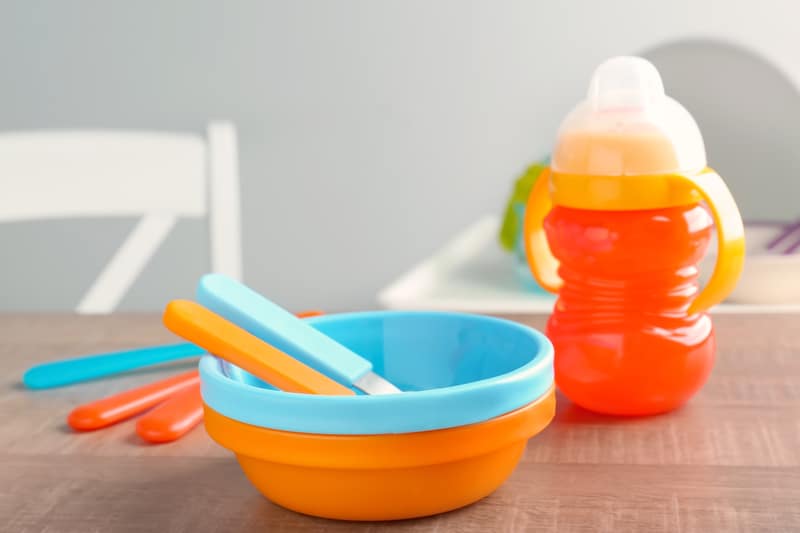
<point>473,274</point>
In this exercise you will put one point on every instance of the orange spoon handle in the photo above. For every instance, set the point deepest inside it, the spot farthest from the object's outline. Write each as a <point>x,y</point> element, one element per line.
<point>173,418</point>
<point>224,339</point>
<point>112,409</point>
<point>310,313</point>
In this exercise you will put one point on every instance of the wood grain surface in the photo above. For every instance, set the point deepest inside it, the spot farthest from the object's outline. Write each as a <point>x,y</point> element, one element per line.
<point>728,461</point>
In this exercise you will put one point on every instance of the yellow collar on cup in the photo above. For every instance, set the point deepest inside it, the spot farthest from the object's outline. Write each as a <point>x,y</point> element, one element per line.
<point>622,193</point>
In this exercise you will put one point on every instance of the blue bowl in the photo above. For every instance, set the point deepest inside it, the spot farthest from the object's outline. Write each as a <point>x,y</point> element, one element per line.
<point>454,369</point>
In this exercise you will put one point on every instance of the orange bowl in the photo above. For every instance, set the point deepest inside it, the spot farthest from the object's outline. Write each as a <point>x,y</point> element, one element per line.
<point>386,476</point>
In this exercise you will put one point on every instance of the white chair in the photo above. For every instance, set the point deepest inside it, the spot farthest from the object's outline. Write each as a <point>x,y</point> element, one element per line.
<point>99,173</point>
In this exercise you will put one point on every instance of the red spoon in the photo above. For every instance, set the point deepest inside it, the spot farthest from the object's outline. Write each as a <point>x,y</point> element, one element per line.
<point>112,409</point>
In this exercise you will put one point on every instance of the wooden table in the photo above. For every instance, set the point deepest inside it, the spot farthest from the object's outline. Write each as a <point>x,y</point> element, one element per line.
<point>728,461</point>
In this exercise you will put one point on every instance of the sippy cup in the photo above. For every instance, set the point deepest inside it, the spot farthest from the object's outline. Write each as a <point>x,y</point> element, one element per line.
<point>617,226</point>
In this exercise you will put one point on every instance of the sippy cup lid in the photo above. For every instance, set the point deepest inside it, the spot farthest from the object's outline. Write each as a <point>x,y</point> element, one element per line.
<point>627,126</point>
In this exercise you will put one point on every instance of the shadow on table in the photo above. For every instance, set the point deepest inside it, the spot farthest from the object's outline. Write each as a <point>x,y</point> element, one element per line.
<point>568,412</point>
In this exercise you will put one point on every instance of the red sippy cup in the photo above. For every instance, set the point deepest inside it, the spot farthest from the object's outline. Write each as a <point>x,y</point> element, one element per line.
<point>617,227</point>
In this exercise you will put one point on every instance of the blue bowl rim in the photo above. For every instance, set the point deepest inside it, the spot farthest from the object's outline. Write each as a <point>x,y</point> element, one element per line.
<point>411,411</point>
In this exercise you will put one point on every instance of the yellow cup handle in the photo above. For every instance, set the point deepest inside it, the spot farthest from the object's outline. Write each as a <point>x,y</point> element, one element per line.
<point>543,265</point>
<point>730,237</point>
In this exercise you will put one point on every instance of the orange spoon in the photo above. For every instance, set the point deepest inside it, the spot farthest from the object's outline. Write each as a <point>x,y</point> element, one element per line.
<point>310,313</point>
<point>173,418</point>
<point>224,339</point>
<point>112,409</point>
<point>179,414</point>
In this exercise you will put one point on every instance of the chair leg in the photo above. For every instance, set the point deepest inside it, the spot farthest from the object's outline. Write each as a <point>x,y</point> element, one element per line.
<point>224,204</point>
<point>127,263</point>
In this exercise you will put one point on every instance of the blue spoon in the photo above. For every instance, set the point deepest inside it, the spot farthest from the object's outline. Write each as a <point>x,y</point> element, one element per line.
<point>68,371</point>
<point>76,370</point>
<point>271,323</point>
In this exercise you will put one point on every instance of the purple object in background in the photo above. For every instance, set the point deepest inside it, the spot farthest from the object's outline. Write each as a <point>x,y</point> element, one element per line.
<point>794,246</point>
<point>786,233</point>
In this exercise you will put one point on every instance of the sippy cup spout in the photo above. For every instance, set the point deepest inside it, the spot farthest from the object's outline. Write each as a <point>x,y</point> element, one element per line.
<point>625,82</point>
<point>628,126</point>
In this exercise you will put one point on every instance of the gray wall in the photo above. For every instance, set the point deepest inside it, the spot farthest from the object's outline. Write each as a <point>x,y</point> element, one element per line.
<point>370,131</point>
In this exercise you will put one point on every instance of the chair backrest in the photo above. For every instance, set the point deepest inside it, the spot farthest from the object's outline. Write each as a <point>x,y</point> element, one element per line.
<point>101,173</point>
<point>156,176</point>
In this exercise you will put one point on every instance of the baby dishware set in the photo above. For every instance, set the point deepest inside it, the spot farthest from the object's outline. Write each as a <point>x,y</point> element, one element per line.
<point>389,415</point>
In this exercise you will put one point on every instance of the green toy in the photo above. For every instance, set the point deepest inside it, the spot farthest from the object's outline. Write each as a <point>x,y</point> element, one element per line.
<point>515,208</point>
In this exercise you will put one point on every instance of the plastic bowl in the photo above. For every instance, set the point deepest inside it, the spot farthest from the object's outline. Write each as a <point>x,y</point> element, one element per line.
<point>459,368</point>
<point>382,477</point>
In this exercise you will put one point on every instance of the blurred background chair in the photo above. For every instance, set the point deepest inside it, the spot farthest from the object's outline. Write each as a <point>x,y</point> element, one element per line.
<point>158,177</point>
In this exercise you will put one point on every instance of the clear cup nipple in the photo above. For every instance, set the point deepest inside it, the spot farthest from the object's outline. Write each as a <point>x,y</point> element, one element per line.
<point>626,83</point>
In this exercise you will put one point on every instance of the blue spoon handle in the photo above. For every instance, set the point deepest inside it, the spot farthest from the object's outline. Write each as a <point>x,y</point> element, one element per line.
<point>70,371</point>
<point>278,327</point>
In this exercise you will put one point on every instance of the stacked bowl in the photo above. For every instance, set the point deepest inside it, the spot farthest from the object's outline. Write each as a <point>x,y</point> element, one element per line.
<point>475,388</point>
